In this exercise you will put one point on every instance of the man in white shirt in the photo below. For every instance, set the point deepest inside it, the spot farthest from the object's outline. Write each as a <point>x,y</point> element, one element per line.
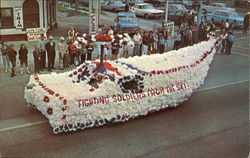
<point>177,40</point>
<point>226,25</point>
<point>51,51</point>
<point>78,46</point>
<point>41,45</point>
<point>137,39</point>
<point>62,49</point>
<point>110,32</point>
<point>223,42</point>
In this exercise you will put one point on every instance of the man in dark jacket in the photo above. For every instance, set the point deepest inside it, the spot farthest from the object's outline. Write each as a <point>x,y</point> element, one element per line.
<point>246,23</point>
<point>230,41</point>
<point>51,51</point>
<point>187,36</point>
<point>151,43</point>
<point>37,59</point>
<point>126,6</point>
<point>12,56</point>
<point>41,44</point>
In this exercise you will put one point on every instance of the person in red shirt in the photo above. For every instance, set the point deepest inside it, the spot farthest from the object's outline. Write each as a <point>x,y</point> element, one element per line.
<point>72,52</point>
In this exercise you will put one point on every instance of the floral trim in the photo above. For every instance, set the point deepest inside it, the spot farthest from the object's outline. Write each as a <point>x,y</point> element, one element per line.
<point>137,79</point>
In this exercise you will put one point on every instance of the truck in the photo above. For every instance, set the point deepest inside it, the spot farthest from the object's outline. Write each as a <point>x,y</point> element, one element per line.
<point>126,22</point>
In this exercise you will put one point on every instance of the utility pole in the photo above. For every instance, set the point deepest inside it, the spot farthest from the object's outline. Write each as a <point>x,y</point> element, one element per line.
<point>199,14</point>
<point>76,5</point>
<point>166,11</point>
<point>99,13</point>
<point>93,16</point>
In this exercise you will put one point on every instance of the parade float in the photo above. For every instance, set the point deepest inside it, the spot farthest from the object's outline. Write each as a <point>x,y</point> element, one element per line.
<point>96,93</point>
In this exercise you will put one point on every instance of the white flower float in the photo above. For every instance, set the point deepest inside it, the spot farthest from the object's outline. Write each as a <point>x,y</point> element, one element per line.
<point>126,88</point>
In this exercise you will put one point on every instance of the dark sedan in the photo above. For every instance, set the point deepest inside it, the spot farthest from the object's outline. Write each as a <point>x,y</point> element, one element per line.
<point>242,4</point>
<point>176,17</point>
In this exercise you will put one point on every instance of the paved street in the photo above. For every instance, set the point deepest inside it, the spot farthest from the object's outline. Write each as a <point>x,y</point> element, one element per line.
<point>213,123</point>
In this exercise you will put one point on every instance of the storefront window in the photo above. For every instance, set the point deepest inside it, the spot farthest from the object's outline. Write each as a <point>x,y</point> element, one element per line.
<point>31,14</point>
<point>6,20</point>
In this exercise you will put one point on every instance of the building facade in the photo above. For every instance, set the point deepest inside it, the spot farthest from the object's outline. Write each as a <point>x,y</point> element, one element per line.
<point>19,15</point>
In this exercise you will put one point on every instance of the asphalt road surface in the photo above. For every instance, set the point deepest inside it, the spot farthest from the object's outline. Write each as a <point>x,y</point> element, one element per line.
<point>213,123</point>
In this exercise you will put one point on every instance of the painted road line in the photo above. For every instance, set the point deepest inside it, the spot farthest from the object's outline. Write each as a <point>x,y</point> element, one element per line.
<point>42,122</point>
<point>240,54</point>
<point>220,86</point>
<point>240,38</point>
<point>241,47</point>
<point>22,126</point>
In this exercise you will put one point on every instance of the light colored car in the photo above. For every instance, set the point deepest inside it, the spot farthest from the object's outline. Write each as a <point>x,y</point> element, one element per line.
<point>214,7</point>
<point>146,10</point>
<point>229,15</point>
<point>113,6</point>
<point>172,8</point>
<point>133,2</point>
<point>187,3</point>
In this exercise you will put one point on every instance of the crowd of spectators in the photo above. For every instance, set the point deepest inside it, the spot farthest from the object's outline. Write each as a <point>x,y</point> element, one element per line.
<point>78,47</point>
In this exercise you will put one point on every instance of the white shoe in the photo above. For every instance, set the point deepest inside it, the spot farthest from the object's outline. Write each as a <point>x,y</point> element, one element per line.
<point>9,70</point>
<point>6,70</point>
<point>21,71</point>
<point>28,72</point>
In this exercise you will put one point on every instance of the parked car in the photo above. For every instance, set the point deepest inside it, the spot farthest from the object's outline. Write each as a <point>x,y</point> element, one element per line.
<point>242,4</point>
<point>133,2</point>
<point>126,22</point>
<point>146,10</point>
<point>187,3</point>
<point>232,16</point>
<point>214,7</point>
<point>172,8</point>
<point>156,2</point>
<point>113,6</point>
<point>176,17</point>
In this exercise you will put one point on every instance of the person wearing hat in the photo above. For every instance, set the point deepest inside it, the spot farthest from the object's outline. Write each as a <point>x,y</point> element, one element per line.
<point>41,44</point>
<point>51,51</point>
<point>62,49</point>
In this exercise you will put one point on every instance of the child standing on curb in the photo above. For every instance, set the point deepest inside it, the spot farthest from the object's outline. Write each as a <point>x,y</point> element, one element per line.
<point>23,57</point>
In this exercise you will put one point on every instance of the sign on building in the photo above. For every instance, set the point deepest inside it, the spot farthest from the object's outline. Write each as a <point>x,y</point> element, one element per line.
<point>34,34</point>
<point>93,16</point>
<point>18,15</point>
<point>169,28</point>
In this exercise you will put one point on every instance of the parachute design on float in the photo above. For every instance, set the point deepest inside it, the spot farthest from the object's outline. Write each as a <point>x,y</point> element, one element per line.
<point>94,94</point>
